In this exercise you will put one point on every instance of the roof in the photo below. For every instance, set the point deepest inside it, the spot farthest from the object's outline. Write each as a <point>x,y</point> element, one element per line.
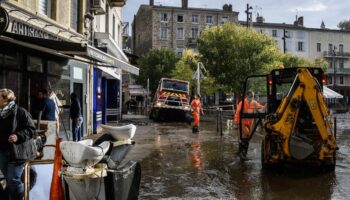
<point>331,94</point>
<point>292,26</point>
<point>191,9</point>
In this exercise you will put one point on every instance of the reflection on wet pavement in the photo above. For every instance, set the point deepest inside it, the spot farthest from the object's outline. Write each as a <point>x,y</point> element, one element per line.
<point>182,165</point>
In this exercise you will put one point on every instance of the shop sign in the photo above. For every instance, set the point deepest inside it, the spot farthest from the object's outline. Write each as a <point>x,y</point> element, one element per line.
<point>21,28</point>
<point>100,56</point>
<point>4,20</point>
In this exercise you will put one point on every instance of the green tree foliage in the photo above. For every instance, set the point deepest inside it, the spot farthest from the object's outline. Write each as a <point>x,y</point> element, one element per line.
<point>185,69</point>
<point>344,25</point>
<point>230,53</point>
<point>289,60</point>
<point>156,64</point>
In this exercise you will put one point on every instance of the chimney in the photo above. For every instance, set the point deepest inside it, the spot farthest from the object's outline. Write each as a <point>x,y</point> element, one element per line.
<point>151,2</point>
<point>260,19</point>
<point>301,21</point>
<point>225,7</point>
<point>185,4</point>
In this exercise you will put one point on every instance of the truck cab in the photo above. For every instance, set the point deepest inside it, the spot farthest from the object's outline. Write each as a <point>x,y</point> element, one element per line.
<point>171,100</point>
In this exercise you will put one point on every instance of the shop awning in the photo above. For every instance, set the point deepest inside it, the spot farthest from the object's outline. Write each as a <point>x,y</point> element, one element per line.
<point>331,94</point>
<point>109,72</point>
<point>71,49</point>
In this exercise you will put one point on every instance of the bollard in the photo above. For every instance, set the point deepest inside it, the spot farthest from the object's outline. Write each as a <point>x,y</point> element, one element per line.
<point>217,120</point>
<point>335,127</point>
<point>221,121</point>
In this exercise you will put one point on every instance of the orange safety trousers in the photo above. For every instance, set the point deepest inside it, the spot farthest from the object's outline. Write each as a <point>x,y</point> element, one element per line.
<point>196,107</point>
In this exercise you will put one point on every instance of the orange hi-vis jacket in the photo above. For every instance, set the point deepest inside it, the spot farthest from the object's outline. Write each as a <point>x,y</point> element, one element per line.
<point>196,106</point>
<point>249,107</point>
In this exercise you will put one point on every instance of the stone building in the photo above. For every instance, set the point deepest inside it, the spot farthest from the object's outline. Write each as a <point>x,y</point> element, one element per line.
<point>174,27</point>
<point>55,44</point>
<point>311,43</point>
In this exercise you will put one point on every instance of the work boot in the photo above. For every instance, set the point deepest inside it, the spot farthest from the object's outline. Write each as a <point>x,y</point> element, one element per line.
<point>243,149</point>
<point>195,129</point>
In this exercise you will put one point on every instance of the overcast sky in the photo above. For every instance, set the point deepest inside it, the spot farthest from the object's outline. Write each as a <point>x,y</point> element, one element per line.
<point>276,11</point>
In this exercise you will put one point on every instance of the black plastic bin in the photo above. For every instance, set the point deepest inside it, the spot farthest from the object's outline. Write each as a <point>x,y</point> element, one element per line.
<point>124,182</point>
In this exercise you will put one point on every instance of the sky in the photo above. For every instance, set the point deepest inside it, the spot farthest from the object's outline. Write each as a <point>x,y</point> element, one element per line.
<point>274,11</point>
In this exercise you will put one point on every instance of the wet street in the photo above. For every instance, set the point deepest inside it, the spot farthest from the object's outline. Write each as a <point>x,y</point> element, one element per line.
<point>177,164</point>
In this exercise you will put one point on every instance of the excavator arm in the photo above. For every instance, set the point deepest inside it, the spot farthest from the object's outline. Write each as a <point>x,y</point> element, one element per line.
<point>305,94</point>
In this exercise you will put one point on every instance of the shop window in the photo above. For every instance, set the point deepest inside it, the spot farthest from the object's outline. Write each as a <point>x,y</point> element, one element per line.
<point>13,81</point>
<point>10,60</point>
<point>61,88</point>
<point>74,14</point>
<point>35,64</point>
<point>57,68</point>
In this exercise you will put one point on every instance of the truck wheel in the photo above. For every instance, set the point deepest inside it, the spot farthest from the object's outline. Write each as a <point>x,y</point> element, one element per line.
<point>155,115</point>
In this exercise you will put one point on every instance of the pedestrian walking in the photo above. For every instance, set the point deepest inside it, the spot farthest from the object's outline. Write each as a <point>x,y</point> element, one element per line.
<point>196,108</point>
<point>47,106</point>
<point>75,115</point>
<point>16,127</point>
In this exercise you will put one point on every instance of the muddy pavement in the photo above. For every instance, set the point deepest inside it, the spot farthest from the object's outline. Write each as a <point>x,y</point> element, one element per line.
<point>177,164</point>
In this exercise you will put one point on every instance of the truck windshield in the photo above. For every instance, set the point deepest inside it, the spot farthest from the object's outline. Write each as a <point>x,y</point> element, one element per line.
<point>175,86</point>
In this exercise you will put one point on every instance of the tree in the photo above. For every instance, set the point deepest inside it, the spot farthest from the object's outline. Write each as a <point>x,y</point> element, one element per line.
<point>344,25</point>
<point>185,69</point>
<point>289,60</point>
<point>156,64</point>
<point>230,53</point>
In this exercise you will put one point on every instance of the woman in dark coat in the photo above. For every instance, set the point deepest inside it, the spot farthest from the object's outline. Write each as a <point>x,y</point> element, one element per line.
<point>16,126</point>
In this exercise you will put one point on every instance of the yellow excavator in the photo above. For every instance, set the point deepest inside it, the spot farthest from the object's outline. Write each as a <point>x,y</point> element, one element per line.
<point>296,124</point>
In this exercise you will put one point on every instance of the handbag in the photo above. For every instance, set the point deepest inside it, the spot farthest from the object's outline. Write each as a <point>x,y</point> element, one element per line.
<point>24,151</point>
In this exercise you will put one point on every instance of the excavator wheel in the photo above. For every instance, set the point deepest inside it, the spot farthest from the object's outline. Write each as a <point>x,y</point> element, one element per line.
<point>265,153</point>
<point>329,166</point>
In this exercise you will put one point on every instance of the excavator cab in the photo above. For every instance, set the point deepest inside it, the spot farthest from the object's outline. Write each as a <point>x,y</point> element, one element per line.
<point>296,123</point>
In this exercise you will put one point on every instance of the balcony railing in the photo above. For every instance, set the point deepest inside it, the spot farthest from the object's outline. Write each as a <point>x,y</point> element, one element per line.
<point>338,71</point>
<point>339,54</point>
<point>117,3</point>
<point>191,41</point>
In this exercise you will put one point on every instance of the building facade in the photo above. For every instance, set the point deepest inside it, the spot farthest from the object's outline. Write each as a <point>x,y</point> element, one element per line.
<point>49,44</point>
<point>311,43</point>
<point>174,27</point>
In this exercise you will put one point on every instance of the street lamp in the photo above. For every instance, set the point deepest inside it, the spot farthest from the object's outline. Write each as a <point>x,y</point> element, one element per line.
<point>284,38</point>
<point>249,14</point>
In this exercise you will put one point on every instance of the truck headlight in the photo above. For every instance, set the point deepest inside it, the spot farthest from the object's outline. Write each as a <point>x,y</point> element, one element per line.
<point>187,107</point>
<point>159,104</point>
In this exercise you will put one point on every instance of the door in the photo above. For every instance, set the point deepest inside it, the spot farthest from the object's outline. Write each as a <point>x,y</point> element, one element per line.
<point>36,82</point>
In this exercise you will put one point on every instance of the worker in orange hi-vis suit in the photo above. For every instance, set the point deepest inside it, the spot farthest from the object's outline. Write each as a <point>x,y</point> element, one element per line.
<point>196,107</point>
<point>250,106</point>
